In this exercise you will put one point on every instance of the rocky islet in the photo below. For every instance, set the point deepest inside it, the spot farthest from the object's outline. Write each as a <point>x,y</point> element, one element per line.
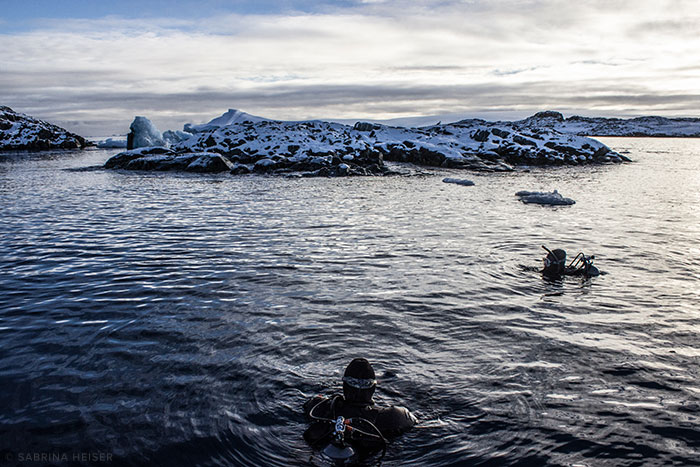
<point>318,148</point>
<point>22,132</point>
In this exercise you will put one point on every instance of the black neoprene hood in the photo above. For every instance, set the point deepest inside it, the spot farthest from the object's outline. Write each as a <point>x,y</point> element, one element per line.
<point>359,382</point>
<point>360,368</point>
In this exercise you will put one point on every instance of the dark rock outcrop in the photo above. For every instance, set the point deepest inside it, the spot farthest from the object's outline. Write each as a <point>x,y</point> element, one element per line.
<point>365,126</point>
<point>161,159</point>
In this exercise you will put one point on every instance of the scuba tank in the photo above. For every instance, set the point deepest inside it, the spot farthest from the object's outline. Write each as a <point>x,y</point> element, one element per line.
<point>337,449</point>
<point>347,440</point>
<point>584,264</point>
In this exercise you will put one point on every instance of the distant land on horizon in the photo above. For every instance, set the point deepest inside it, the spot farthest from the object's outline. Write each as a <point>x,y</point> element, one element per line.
<point>426,120</point>
<point>96,130</point>
<point>654,126</point>
<point>12,123</point>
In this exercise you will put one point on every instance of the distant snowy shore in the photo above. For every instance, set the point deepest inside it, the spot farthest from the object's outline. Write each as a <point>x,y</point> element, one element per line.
<point>599,126</point>
<point>545,138</point>
<point>242,143</point>
<point>22,132</point>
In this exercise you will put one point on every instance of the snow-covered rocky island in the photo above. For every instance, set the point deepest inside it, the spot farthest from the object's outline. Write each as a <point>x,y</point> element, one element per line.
<point>22,132</point>
<point>242,143</point>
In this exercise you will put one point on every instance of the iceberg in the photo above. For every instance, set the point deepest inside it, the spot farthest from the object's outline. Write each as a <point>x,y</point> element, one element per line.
<point>143,134</point>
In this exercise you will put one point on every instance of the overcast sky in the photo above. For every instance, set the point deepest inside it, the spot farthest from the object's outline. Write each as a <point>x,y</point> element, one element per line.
<point>92,66</point>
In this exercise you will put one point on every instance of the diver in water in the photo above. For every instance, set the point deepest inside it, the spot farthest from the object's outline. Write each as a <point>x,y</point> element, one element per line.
<point>555,265</point>
<point>350,427</point>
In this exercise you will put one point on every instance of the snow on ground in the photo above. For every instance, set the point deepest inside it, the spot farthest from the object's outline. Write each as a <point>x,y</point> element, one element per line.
<point>229,118</point>
<point>20,131</point>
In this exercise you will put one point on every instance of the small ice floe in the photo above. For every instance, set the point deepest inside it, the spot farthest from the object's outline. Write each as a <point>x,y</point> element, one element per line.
<point>116,143</point>
<point>544,197</point>
<point>458,181</point>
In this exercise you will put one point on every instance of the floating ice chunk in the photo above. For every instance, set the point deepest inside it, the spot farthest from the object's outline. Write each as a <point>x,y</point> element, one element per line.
<point>143,134</point>
<point>458,181</point>
<point>112,143</point>
<point>544,197</point>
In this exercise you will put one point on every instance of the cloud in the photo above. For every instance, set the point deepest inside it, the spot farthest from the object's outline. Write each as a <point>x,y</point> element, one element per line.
<point>668,27</point>
<point>365,60</point>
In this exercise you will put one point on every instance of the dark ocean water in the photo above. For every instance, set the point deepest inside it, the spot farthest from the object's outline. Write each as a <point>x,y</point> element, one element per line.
<point>170,319</point>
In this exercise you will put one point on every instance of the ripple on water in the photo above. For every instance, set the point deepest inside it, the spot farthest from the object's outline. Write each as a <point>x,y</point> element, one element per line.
<point>170,318</point>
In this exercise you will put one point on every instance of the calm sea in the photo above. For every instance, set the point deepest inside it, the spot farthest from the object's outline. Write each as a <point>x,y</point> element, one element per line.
<point>172,319</point>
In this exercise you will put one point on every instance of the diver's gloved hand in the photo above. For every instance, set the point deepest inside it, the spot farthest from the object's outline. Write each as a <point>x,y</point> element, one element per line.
<point>394,421</point>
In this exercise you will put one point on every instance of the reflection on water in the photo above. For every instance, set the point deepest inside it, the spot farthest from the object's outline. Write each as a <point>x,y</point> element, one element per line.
<point>169,319</point>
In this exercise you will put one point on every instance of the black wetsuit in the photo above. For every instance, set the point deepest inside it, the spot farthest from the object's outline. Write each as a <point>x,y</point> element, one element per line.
<point>566,271</point>
<point>390,421</point>
<point>589,271</point>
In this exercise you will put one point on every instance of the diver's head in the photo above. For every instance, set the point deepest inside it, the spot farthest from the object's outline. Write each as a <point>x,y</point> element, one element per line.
<point>359,382</point>
<point>555,262</point>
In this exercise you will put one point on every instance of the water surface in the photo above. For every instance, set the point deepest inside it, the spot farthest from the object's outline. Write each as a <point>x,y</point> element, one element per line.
<point>171,319</point>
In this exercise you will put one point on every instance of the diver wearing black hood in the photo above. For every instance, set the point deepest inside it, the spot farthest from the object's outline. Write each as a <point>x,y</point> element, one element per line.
<point>352,420</point>
<point>555,265</point>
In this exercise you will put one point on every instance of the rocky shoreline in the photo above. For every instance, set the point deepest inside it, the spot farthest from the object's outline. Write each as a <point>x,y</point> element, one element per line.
<point>246,144</point>
<point>22,132</point>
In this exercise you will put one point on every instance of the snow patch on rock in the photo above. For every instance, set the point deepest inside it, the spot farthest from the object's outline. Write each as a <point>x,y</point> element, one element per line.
<point>229,118</point>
